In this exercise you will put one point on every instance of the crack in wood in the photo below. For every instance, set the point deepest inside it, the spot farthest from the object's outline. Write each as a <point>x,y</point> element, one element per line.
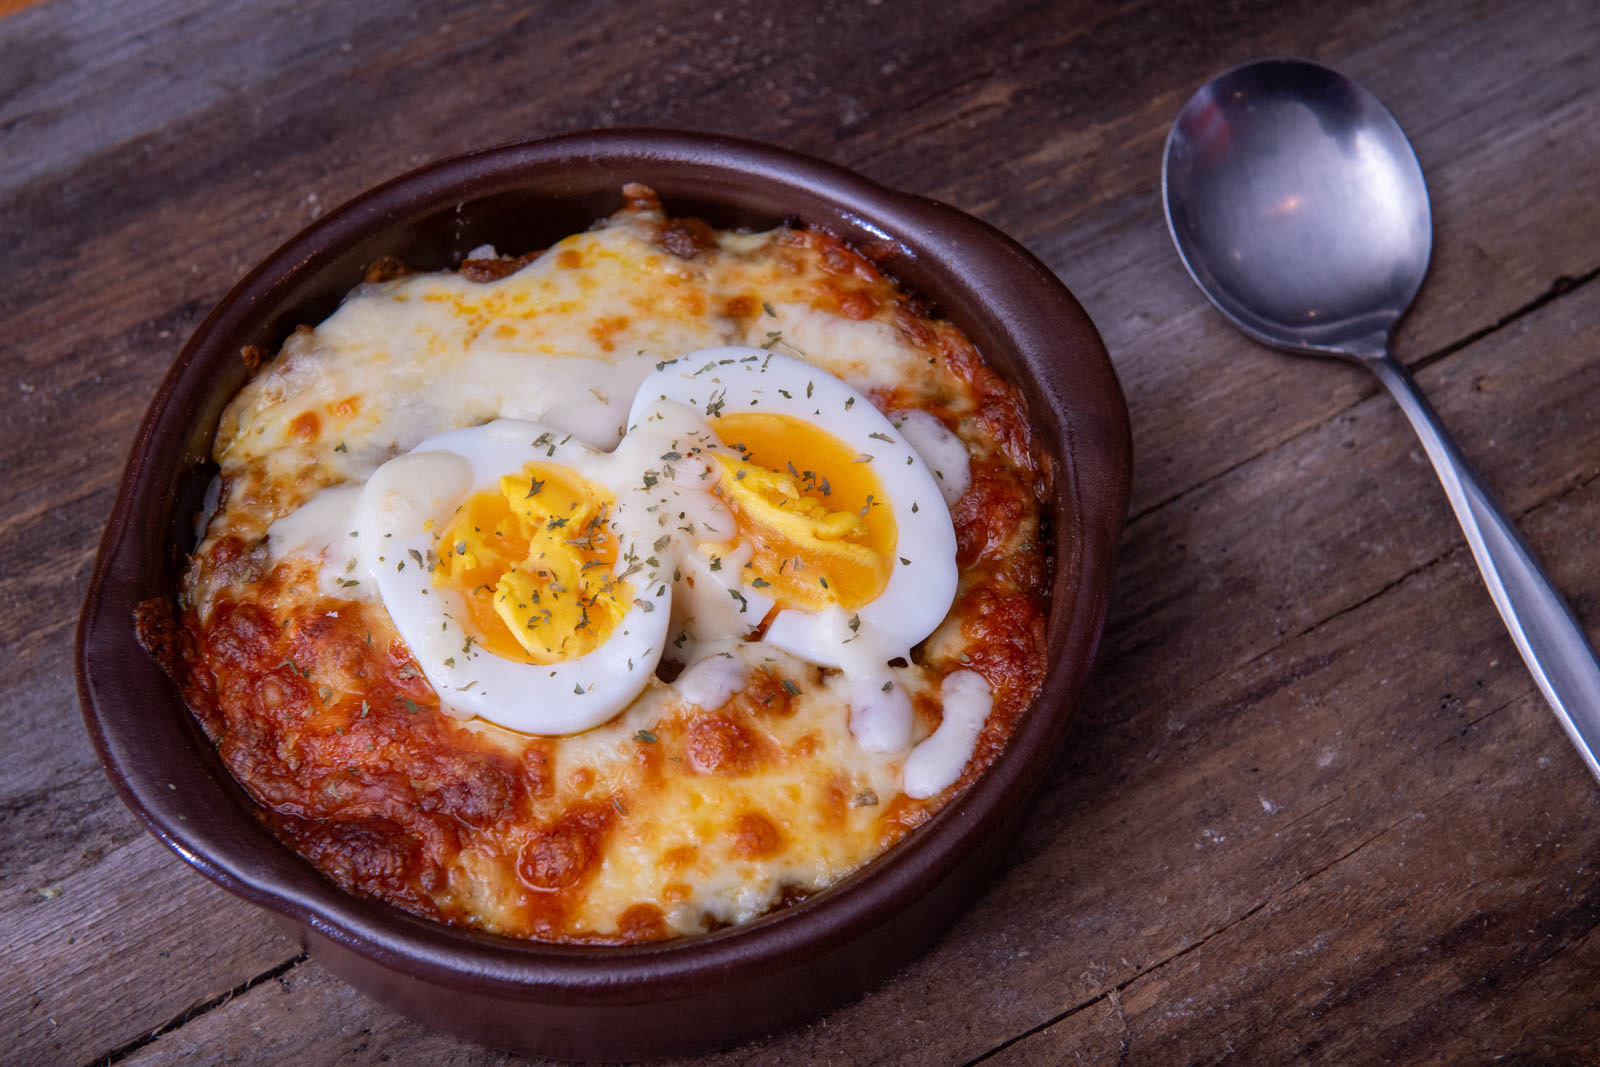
<point>1125,983</point>
<point>122,1052</point>
<point>1298,819</point>
<point>1118,989</point>
<point>103,481</point>
<point>1113,994</point>
<point>1562,286</point>
<point>1578,485</point>
<point>1446,556</point>
<point>88,774</point>
<point>1386,587</point>
<point>1558,288</point>
<point>1466,727</point>
<point>1579,939</point>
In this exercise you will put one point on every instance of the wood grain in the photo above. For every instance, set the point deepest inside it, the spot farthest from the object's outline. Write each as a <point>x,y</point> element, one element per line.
<point>1313,809</point>
<point>133,928</point>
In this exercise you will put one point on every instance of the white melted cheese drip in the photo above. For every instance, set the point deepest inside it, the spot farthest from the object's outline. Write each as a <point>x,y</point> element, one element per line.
<point>323,530</point>
<point>936,763</point>
<point>713,680</point>
<point>941,451</point>
<point>880,710</point>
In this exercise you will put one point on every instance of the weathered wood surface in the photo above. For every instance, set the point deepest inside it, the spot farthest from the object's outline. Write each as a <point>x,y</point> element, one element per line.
<point>1313,808</point>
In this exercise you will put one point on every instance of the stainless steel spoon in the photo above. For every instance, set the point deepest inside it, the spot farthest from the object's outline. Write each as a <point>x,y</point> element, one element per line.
<point>1299,209</point>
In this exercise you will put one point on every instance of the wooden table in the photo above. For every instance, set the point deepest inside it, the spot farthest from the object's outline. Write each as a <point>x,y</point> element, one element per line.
<point>1313,808</point>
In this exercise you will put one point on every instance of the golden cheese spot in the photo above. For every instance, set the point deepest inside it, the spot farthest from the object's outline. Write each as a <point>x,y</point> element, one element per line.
<point>681,856</point>
<point>643,922</point>
<point>345,409</point>
<point>539,764</point>
<point>719,745</point>
<point>755,837</point>
<point>565,854</point>
<point>605,330</point>
<point>765,695</point>
<point>570,258</point>
<point>305,426</point>
<point>836,796</point>
<point>858,306</point>
<point>647,760</point>
<point>742,306</point>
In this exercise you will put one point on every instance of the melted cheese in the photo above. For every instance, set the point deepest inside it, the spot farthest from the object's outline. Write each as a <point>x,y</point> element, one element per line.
<point>565,342</point>
<point>745,777</point>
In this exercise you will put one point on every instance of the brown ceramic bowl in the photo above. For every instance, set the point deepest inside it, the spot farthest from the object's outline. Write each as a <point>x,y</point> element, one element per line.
<point>681,996</point>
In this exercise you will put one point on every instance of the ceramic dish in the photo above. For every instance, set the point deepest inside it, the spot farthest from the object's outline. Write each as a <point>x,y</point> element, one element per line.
<point>695,993</point>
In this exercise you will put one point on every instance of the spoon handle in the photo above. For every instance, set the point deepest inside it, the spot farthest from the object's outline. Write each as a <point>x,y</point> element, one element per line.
<point>1541,624</point>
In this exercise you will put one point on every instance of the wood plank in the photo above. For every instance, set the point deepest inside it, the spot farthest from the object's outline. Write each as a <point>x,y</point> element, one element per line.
<point>1433,933</point>
<point>135,936</point>
<point>309,1015</point>
<point>157,149</point>
<point>1197,594</point>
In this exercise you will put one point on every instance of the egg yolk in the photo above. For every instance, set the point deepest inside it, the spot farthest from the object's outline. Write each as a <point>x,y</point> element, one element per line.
<point>812,509</point>
<point>534,561</point>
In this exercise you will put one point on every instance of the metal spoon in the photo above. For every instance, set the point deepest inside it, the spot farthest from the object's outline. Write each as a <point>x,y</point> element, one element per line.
<point>1299,209</point>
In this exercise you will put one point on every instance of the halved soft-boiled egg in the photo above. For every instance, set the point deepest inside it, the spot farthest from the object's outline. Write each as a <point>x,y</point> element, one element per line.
<point>837,522</point>
<point>510,568</point>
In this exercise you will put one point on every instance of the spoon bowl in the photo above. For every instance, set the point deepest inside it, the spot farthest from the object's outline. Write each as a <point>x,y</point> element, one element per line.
<point>1300,210</point>
<point>1298,207</point>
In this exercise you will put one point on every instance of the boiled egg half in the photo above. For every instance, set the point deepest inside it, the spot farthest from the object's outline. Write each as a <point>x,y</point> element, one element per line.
<point>841,540</point>
<point>508,561</point>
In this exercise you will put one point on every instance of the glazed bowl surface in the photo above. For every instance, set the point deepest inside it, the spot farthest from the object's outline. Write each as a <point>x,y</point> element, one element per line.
<point>692,994</point>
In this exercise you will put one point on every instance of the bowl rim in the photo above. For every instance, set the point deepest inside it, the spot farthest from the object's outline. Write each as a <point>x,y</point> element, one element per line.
<point>1093,471</point>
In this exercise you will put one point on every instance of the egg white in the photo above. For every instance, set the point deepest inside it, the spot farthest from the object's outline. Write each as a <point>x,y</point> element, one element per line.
<point>922,583</point>
<point>397,540</point>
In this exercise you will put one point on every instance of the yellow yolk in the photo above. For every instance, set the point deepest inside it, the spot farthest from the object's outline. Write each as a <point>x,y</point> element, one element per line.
<point>821,529</point>
<point>534,562</point>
